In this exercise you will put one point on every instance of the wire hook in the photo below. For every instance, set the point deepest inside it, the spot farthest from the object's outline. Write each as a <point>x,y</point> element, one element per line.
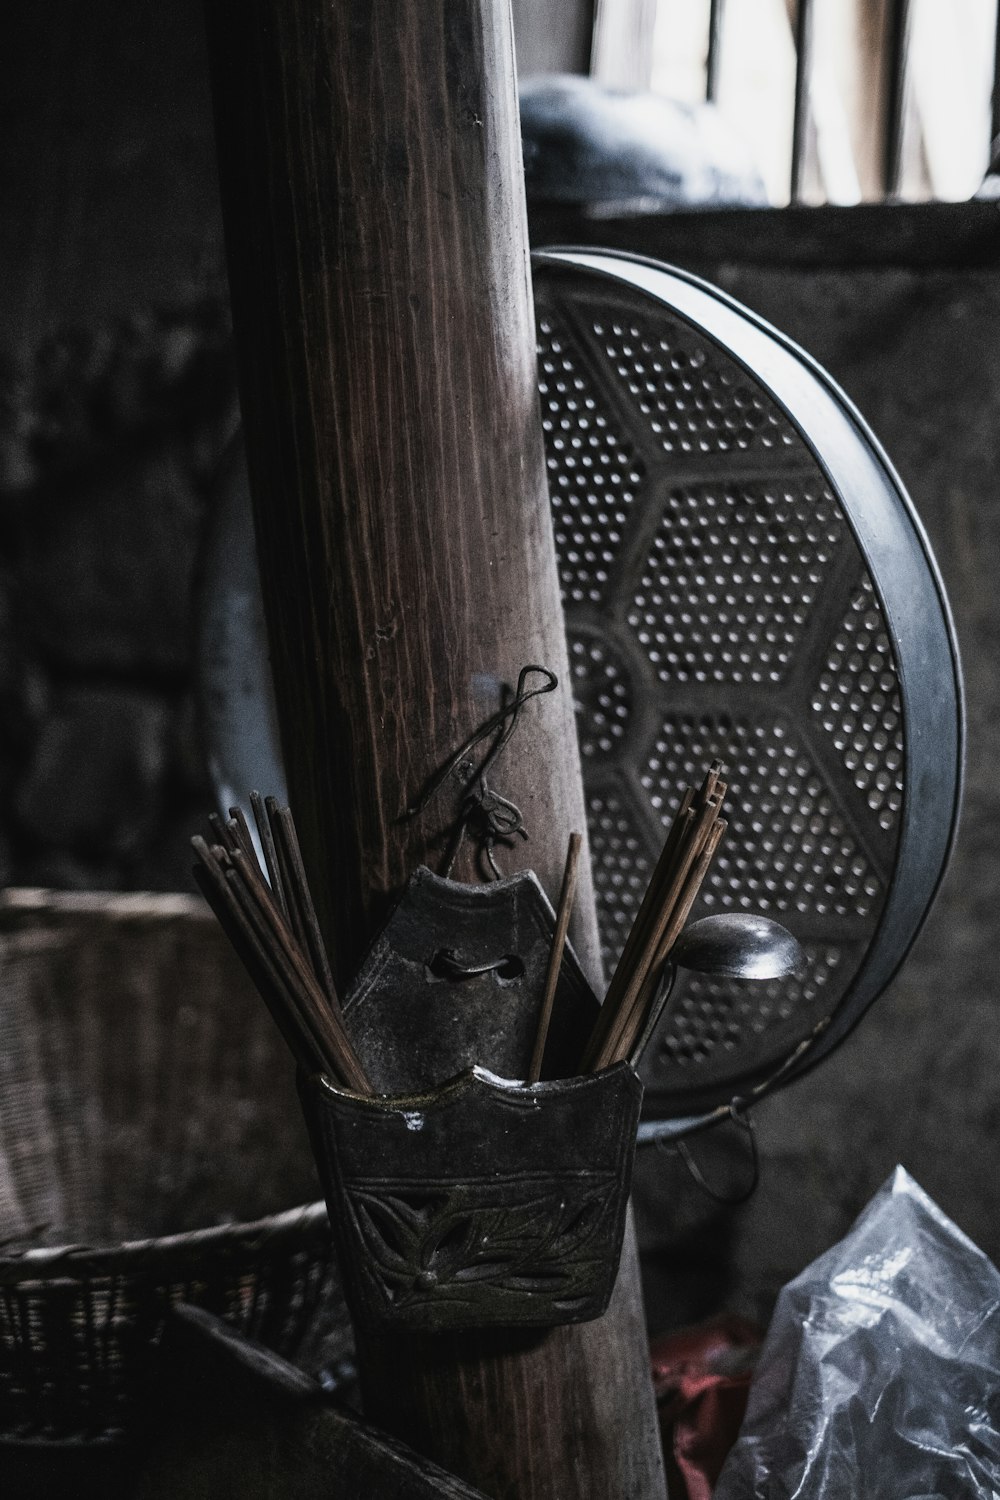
<point>496,818</point>
<point>739,1113</point>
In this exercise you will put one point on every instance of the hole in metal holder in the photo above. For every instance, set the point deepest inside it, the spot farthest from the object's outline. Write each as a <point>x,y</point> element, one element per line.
<point>446,964</point>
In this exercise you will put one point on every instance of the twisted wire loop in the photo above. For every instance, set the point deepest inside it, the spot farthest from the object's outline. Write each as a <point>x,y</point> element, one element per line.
<point>483,814</point>
<point>738,1112</point>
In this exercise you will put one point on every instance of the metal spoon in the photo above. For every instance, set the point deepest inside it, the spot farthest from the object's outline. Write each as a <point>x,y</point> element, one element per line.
<point>738,945</point>
<point>732,945</point>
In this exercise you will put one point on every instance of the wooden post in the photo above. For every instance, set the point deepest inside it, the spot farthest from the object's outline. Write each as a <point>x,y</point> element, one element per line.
<point>370,170</point>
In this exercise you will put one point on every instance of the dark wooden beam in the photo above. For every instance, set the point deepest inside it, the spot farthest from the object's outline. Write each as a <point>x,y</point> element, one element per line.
<point>371,182</point>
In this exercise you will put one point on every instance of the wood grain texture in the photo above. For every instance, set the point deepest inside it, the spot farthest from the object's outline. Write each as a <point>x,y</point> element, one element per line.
<point>526,1416</point>
<point>371,183</point>
<point>379,276</point>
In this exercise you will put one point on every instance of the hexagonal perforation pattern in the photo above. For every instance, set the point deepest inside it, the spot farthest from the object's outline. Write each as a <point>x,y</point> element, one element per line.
<point>788,849</point>
<point>602,695</point>
<point>716,1015</point>
<point>732,576</point>
<point>695,400</point>
<point>718,608</point>
<point>621,864</point>
<point>856,702</point>
<point>593,472</point>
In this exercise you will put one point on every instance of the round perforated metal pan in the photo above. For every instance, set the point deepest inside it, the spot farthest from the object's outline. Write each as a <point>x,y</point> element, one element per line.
<point>744,578</point>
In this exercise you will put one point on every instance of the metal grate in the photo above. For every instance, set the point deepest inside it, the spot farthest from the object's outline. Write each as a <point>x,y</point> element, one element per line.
<point>857,704</point>
<point>593,473</point>
<point>694,402</point>
<point>788,851</point>
<point>712,1016</point>
<point>601,694</point>
<point>732,577</point>
<point>717,606</point>
<point>622,864</point>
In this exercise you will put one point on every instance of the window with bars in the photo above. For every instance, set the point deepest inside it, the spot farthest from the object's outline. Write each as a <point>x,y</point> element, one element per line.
<point>840,101</point>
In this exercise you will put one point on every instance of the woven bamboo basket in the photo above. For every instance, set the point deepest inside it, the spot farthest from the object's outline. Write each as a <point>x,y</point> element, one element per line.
<point>151,1150</point>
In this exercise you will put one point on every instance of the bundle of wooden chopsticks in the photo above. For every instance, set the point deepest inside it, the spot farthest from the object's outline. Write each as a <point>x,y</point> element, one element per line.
<point>271,922</point>
<point>630,1006</point>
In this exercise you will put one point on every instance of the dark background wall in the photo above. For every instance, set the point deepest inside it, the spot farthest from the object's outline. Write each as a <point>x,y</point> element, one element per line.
<point>117,394</point>
<point>117,401</point>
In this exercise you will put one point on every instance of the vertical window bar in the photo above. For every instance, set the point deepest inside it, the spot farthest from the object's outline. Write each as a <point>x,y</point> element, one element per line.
<point>995,100</point>
<point>803,73</point>
<point>621,53</point>
<point>715,20</point>
<point>900,23</point>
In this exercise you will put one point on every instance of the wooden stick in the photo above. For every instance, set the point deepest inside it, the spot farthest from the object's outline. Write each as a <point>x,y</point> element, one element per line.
<point>637,1023</point>
<point>280,935</point>
<point>284,865</point>
<point>253,957</point>
<point>276,961</point>
<point>653,1004</point>
<point>653,900</point>
<point>254,954</point>
<point>636,979</point>
<point>223,834</point>
<point>270,853</point>
<point>680,869</point>
<point>307,911</point>
<point>289,991</point>
<point>639,931</point>
<point>297,897</point>
<point>691,889</point>
<point>563,913</point>
<point>288,952</point>
<point>240,829</point>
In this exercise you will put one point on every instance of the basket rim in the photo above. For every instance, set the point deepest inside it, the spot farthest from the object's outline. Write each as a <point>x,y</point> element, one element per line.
<point>79,1262</point>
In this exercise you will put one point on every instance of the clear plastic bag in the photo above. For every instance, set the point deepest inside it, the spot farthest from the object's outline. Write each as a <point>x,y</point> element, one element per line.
<point>880,1374</point>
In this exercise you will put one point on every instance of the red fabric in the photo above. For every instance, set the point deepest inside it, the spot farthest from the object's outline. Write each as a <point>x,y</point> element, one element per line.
<point>701,1377</point>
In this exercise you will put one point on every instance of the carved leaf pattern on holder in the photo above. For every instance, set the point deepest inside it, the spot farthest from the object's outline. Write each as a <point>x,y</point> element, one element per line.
<point>438,1243</point>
